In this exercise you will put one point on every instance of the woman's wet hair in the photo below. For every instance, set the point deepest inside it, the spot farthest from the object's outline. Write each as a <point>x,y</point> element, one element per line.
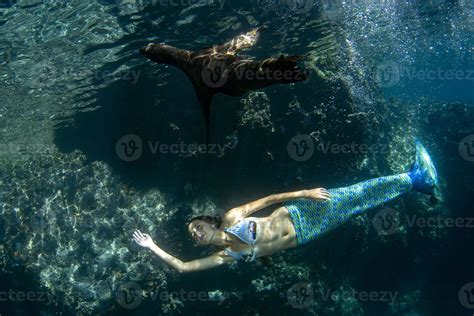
<point>215,220</point>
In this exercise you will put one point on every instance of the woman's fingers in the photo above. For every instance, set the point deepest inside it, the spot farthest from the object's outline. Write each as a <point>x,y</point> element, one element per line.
<point>320,194</point>
<point>321,190</point>
<point>136,234</point>
<point>323,194</point>
<point>139,236</point>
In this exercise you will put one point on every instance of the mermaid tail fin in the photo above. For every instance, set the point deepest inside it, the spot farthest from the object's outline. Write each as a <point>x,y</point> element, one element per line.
<point>423,174</point>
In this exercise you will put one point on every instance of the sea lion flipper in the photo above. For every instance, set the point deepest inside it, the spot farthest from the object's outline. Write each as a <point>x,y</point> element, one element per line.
<point>205,98</point>
<point>238,43</point>
<point>287,65</point>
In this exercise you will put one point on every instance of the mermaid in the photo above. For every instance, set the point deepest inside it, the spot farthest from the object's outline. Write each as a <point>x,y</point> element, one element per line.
<point>304,216</point>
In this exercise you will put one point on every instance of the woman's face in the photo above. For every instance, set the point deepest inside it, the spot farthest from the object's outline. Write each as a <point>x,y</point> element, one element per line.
<point>201,231</point>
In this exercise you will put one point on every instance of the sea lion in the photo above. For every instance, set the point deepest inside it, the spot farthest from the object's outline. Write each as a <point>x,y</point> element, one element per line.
<point>218,69</point>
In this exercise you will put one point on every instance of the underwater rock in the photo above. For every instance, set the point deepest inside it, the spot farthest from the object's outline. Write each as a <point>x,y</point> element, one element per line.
<point>256,111</point>
<point>75,221</point>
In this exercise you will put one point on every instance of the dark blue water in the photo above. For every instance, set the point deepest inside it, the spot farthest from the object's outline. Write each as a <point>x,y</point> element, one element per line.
<point>382,74</point>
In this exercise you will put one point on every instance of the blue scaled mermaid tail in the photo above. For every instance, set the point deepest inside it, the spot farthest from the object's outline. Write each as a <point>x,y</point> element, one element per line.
<point>312,219</point>
<point>423,174</point>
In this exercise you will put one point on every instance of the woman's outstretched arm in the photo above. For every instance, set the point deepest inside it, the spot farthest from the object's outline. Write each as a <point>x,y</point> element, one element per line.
<point>319,194</point>
<point>214,260</point>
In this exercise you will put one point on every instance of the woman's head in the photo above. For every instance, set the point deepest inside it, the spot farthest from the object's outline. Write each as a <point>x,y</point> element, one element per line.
<point>202,228</point>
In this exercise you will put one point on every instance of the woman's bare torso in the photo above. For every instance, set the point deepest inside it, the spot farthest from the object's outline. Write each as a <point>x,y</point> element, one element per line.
<point>274,233</point>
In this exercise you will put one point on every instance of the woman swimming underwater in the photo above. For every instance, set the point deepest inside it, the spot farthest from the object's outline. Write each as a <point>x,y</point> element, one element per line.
<point>304,216</point>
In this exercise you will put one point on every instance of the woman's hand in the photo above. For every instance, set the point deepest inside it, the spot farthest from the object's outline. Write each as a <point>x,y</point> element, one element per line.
<point>143,240</point>
<point>319,194</point>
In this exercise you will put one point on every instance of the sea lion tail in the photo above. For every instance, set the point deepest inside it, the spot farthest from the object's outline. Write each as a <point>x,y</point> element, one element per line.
<point>205,98</point>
